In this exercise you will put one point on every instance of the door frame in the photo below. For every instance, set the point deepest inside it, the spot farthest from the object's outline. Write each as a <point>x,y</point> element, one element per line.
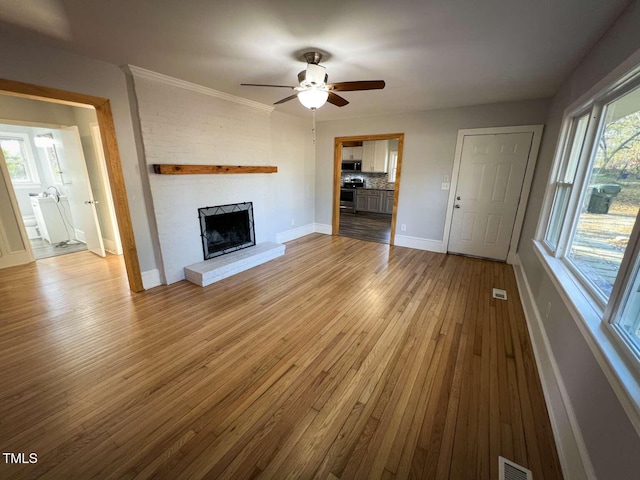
<point>337,170</point>
<point>526,185</point>
<point>112,157</point>
<point>116,248</point>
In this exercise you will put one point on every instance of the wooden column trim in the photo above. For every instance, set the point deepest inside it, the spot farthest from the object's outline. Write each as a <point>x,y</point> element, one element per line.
<point>119,194</point>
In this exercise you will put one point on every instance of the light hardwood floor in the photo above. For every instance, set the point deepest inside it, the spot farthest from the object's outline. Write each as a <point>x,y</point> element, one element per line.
<point>342,359</point>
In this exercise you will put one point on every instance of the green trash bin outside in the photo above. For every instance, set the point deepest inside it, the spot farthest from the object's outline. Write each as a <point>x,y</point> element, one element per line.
<point>602,197</point>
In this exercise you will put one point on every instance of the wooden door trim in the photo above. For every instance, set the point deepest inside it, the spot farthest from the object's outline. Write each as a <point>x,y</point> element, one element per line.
<point>112,157</point>
<point>526,185</point>
<point>337,169</point>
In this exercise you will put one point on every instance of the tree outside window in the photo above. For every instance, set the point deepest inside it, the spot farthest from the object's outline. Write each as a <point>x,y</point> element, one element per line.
<point>21,170</point>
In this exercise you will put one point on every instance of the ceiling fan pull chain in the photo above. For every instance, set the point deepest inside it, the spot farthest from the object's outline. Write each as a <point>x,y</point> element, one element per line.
<point>314,125</point>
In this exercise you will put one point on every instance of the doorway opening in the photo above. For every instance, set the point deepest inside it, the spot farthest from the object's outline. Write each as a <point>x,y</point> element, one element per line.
<point>58,178</point>
<point>367,170</point>
<point>15,246</point>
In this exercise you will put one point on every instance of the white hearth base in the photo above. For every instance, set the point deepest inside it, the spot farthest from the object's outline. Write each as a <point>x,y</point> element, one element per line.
<point>210,271</point>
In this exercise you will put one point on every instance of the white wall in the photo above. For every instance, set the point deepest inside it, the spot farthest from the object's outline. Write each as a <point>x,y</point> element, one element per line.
<point>610,439</point>
<point>34,111</point>
<point>293,151</point>
<point>180,125</point>
<point>43,65</point>
<point>429,148</point>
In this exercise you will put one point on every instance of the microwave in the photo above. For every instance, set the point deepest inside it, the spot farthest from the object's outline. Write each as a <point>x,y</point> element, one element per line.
<point>352,166</point>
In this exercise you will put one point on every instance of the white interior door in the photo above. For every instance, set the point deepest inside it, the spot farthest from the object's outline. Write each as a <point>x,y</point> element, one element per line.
<point>490,179</point>
<point>78,188</point>
<point>14,244</point>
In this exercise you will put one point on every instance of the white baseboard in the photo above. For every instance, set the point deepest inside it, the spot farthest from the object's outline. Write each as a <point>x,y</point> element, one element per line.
<point>572,451</point>
<point>288,235</point>
<point>151,278</point>
<point>80,236</point>
<point>419,243</point>
<point>110,246</point>
<point>322,228</point>
<point>13,259</point>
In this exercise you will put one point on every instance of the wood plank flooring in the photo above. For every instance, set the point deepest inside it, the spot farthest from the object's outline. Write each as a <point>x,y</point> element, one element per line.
<point>342,359</point>
<point>372,227</point>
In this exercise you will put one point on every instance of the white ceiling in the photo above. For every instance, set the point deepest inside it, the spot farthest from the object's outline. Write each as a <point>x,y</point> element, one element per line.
<point>431,53</point>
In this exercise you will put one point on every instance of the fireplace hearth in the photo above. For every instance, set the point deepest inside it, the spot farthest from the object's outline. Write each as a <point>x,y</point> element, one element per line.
<point>226,228</point>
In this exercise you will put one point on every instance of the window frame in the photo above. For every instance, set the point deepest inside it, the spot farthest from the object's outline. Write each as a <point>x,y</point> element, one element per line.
<point>34,175</point>
<point>597,317</point>
<point>392,166</point>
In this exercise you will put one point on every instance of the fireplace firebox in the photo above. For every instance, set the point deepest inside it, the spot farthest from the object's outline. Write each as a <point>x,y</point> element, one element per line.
<point>226,228</point>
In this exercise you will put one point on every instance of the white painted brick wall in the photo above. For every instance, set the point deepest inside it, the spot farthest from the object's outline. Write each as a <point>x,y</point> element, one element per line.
<point>182,126</point>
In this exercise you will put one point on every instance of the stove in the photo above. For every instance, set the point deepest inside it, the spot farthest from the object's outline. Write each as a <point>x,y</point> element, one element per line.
<point>353,183</point>
<point>348,193</point>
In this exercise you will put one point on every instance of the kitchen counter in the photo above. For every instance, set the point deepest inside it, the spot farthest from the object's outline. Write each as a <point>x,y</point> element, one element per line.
<point>380,189</point>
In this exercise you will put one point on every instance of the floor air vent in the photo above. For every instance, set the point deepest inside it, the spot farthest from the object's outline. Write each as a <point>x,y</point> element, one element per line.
<point>512,471</point>
<point>499,293</point>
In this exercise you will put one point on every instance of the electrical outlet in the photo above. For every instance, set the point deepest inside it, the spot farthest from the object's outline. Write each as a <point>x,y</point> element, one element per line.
<point>445,185</point>
<point>403,227</point>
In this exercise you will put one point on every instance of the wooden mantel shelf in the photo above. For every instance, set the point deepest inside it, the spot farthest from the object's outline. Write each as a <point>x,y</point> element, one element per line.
<point>173,169</point>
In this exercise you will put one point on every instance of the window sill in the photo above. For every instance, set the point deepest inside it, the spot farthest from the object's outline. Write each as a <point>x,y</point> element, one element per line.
<point>603,341</point>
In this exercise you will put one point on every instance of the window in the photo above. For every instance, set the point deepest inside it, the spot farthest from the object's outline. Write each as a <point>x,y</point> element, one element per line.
<point>593,221</point>
<point>392,166</point>
<point>47,143</point>
<point>19,160</point>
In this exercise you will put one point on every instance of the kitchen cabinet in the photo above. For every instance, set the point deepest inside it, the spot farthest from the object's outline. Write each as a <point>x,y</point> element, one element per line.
<point>352,153</point>
<point>374,201</point>
<point>375,156</point>
<point>387,201</point>
<point>368,200</point>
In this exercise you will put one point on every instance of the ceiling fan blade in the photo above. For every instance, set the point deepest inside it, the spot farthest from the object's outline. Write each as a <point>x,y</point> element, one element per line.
<point>353,86</point>
<point>286,99</point>
<point>264,85</point>
<point>337,100</point>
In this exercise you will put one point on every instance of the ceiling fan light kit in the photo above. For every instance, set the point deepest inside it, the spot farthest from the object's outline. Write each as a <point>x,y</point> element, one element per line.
<point>313,89</point>
<point>313,97</point>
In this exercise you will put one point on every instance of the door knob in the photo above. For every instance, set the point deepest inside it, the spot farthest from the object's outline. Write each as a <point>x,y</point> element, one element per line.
<point>91,202</point>
<point>456,206</point>
<point>458,197</point>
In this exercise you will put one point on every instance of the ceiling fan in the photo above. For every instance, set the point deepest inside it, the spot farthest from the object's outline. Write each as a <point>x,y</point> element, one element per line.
<point>313,90</point>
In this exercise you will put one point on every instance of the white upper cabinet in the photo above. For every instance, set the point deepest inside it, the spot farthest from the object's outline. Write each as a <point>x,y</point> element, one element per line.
<point>351,153</point>
<point>375,156</point>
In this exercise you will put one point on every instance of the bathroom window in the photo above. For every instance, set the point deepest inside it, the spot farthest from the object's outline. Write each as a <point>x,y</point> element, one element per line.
<point>47,143</point>
<point>19,159</point>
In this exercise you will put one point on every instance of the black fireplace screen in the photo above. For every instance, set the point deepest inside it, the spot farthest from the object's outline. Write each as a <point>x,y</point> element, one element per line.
<point>226,228</point>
